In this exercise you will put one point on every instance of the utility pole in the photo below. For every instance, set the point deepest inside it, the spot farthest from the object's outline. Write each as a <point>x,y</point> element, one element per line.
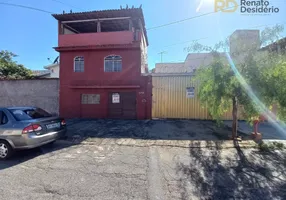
<point>162,52</point>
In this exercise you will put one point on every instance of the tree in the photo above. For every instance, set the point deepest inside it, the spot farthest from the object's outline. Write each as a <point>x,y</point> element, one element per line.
<point>9,69</point>
<point>274,86</point>
<point>245,79</point>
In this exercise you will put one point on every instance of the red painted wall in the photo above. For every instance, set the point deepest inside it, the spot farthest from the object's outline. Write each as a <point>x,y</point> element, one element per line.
<point>103,38</point>
<point>94,67</point>
<point>94,75</point>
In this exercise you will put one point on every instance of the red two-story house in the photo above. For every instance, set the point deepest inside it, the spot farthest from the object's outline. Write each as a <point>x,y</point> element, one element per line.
<point>103,58</point>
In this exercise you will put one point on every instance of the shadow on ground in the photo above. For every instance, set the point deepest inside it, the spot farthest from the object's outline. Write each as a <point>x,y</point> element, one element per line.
<point>149,129</point>
<point>233,173</point>
<point>274,131</point>
<point>25,155</point>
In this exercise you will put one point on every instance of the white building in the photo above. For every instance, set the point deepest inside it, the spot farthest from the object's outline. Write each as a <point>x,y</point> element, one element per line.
<point>192,62</point>
<point>54,70</point>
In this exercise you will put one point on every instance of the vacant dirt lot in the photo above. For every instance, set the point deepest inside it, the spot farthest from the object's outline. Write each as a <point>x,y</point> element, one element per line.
<point>150,129</point>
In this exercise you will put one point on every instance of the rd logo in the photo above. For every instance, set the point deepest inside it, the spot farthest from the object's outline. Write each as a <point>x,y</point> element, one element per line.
<point>225,5</point>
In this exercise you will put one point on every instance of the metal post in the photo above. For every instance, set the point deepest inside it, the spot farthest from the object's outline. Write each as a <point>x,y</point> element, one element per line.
<point>130,25</point>
<point>98,27</point>
<point>162,52</point>
<point>256,126</point>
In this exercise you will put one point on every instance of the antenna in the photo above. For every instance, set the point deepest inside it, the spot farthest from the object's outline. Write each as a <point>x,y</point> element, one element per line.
<point>162,52</point>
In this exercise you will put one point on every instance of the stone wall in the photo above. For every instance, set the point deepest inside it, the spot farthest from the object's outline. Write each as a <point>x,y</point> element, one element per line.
<point>43,93</point>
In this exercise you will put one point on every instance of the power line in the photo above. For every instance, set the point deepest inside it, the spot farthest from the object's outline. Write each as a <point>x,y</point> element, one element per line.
<point>41,10</point>
<point>27,7</point>
<point>210,36</point>
<point>186,19</point>
<point>184,42</point>
<point>68,4</point>
<point>267,25</point>
<point>73,7</point>
<point>37,9</point>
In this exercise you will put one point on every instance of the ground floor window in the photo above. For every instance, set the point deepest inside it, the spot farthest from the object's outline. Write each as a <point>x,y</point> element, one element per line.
<point>90,99</point>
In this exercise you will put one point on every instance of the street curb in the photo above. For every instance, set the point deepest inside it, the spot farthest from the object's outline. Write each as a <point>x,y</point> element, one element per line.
<point>219,144</point>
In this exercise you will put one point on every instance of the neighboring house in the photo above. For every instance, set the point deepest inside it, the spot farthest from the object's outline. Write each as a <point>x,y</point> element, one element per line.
<point>170,68</point>
<point>103,56</point>
<point>192,63</point>
<point>240,39</point>
<point>54,70</point>
<point>41,73</point>
<point>51,71</point>
<point>278,46</point>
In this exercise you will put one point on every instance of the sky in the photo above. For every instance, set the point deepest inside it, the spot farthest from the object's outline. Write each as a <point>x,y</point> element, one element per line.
<point>32,34</point>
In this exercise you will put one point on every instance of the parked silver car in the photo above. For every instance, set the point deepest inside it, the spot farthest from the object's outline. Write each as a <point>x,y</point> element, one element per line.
<point>27,127</point>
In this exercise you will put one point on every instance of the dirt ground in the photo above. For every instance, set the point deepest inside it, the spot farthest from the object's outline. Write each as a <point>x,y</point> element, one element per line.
<point>274,131</point>
<point>149,129</point>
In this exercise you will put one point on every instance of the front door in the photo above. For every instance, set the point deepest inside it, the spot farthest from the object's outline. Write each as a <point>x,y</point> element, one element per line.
<point>122,105</point>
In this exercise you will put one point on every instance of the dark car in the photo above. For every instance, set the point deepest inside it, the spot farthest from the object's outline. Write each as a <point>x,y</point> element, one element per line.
<point>26,128</point>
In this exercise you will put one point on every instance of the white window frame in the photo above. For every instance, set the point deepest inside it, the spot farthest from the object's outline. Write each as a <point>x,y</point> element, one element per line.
<point>107,57</point>
<point>75,60</point>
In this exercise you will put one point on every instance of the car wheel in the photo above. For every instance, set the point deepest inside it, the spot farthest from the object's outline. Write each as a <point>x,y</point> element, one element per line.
<point>5,150</point>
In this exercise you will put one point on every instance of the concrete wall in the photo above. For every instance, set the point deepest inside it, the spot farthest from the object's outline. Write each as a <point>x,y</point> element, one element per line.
<point>42,93</point>
<point>144,55</point>
<point>244,41</point>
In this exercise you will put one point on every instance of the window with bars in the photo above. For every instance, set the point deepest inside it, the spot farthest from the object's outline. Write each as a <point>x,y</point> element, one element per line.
<point>79,64</point>
<point>113,63</point>
<point>90,99</point>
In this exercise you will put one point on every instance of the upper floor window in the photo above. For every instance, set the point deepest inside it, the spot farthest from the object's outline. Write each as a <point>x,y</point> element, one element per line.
<point>113,63</point>
<point>79,64</point>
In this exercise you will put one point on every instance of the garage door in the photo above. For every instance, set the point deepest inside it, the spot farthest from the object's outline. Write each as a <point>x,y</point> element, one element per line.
<point>122,105</point>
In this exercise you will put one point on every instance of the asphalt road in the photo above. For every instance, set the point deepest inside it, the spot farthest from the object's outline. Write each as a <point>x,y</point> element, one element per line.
<point>108,171</point>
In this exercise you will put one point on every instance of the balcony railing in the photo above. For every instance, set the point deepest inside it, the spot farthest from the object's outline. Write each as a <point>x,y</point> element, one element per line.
<point>105,82</point>
<point>102,38</point>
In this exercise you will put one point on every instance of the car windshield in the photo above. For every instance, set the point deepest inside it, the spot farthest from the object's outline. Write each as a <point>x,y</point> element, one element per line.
<point>30,113</point>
